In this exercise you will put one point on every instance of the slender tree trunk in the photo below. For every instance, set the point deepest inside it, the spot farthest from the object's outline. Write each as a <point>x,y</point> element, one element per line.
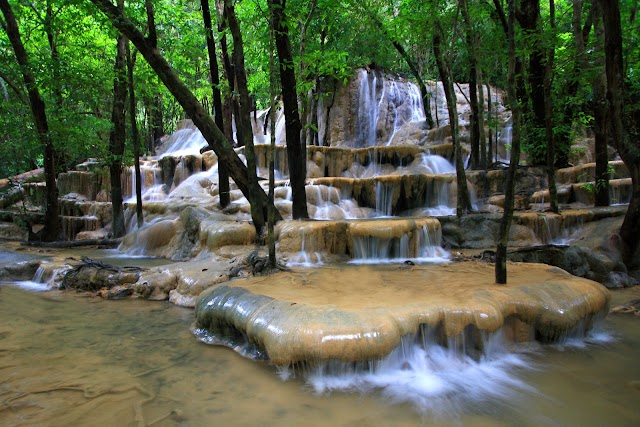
<point>599,89</point>
<point>51,222</point>
<point>118,134</point>
<point>223,175</point>
<point>243,122</point>
<point>529,17</point>
<point>548,115</point>
<point>507,217</point>
<point>474,161</point>
<point>481,128</point>
<point>271,237</point>
<point>297,163</point>
<point>135,135</point>
<point>60,159</point>
<point>620,124</point>
<point>200,117</point>
<point>464,201</point>
<point>489,120</point>
<point>305,100</point>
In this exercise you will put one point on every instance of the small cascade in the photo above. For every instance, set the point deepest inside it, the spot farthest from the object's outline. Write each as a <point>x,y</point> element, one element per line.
<point>72,225</point>
<point>503,148</point>
<point>556,229</point>
<point>45,278</point>
<point>150,177</point>
<point>308,255</point>
<point>396,241</point>
<point>384,199</point>
<point>185,141</point>
<point>620,191</point>
<point>435,376</point>
<point>368,108</point>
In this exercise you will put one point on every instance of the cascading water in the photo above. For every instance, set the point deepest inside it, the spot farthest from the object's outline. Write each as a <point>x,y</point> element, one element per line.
<point>368,108</point>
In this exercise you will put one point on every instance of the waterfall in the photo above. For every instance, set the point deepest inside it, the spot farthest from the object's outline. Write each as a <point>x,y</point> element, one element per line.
<point>368,108</point>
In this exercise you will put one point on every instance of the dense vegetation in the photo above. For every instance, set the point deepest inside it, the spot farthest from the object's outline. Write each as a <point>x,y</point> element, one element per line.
<point>575,67</point>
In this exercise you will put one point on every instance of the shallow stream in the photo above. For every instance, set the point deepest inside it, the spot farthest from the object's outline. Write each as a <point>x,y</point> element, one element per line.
<point>67,359</point>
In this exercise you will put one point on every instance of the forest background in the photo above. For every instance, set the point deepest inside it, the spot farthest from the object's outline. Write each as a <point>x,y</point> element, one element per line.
<point>572,66</point>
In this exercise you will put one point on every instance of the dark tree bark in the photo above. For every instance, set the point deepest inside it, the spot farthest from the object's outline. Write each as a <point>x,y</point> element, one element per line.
<point>548,116</point>
<point>51,223</point>
<point>599,89</point>
<point>243,121</point>
<point>223,175</point>
<point>464,201</point>
<point>306,100</point>
<point>191,105</point>
<point>297,163</point>
<point>118,134</point>
<point>135,135</point>
<point>623,127</point>
<point>481,122</point>
<point>271,236</point>
<point>507,217</point>
<point>154,105</point>
<point>474,161</point>
<point>529,17</point>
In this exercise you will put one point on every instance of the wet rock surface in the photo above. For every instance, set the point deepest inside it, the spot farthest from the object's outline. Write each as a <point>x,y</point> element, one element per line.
<point>361,313</point>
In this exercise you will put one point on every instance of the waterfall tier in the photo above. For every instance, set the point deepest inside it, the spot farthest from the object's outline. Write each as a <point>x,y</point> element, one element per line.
<point>361,313</point>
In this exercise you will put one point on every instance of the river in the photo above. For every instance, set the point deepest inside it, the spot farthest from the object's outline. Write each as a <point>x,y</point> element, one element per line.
<point>68,359</point>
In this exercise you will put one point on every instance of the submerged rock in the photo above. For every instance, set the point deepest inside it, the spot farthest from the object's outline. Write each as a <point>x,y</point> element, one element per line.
<point>361,313</point>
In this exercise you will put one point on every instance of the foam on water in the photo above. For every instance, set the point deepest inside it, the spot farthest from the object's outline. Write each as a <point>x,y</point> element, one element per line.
<point>436,380</point>
<point>30,285</point>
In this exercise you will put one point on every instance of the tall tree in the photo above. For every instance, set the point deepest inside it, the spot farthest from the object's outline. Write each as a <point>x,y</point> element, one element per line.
<point>297,163</point>
<point>51,221</point>
<point>548,113</point>
<point>599,89</point>
<point>135,134</point>
<point>464,200</point>
<point>243,121</point>
<point>623,126</point>
<point>223,175</point>
<point>472,48</point>
<point>117,135</point>
<point>201,118</point>
<point>507,216</point>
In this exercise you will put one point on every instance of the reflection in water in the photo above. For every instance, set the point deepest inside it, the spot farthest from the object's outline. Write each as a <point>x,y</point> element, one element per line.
<point>71,360</point>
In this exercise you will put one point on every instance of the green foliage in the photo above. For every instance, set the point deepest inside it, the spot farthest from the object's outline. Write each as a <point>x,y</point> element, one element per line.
<point>337,38</point>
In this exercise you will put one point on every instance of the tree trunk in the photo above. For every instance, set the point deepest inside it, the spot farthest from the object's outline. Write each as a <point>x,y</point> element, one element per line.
<point>51,223</point>
<point>297,163</point>
<point>507,217</point>
<point>271,237</point>
<point>464,202</point>
<point>599,89</point>
<point>548,116</point>
<point>117,135</point>
<point>60,159</point>
<point>481,127</point>
<point>223,175</point>
<point>621,123</point>
<point>200,117</point>
<point>489,121</point>
<point>243,121</point>
<point>135,136</point>
<point>474,161</point>
<point>529,18</point>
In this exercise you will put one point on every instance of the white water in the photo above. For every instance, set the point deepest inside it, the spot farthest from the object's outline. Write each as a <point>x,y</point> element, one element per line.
<point>38,283</point>
<point>374,250</point>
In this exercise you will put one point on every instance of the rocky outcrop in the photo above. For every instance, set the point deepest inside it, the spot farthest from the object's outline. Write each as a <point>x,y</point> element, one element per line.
<point>311,317</point>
